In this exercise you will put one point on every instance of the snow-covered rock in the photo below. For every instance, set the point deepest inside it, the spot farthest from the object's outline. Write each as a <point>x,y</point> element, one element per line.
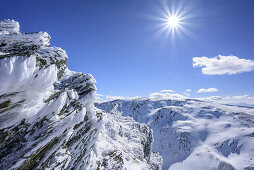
<point>193,134</point>
<point>23,44</point>
<point>124,144</point>
<point>9,27</point>
<point>47,114</point>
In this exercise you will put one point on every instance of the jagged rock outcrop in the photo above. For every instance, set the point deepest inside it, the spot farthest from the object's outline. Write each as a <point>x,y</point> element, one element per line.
<point>193,134</point>
<point>47,114</point>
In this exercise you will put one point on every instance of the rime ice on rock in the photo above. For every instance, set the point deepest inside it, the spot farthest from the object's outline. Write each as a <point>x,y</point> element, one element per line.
<point>47,114</point>
<point>20,44</point>
<point>9,27</point>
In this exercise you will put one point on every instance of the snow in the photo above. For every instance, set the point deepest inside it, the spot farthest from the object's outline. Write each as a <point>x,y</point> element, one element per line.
<point>11,42</point>
<point>9,27</point>
<point>20,73</point>
<point>193,134</point>
<point>47,114</point>
<point>48,119</point>
<point>123,140</point>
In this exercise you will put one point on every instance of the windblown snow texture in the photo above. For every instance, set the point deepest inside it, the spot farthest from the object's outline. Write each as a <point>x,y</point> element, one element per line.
<point>192,134</point>
<point>47,114</point>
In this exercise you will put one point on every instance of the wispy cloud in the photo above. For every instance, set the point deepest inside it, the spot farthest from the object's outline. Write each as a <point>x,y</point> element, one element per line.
<point>244,99</point>
<point>207,90</point>
<point>104,98</point>
<point>167,91</point>
<point>99,98</point>
<point>220,65</point>
<point>114,97</point>
<point>188,90</point>
<point>186,94</point>
<point>158,95</point>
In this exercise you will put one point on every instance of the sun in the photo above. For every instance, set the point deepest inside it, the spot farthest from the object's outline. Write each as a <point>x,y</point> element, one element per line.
<point>173,21</point>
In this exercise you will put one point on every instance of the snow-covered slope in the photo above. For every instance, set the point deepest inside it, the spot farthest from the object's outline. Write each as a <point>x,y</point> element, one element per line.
<point>124,144</point>
<point>47,114</point>
<point>192,134</point>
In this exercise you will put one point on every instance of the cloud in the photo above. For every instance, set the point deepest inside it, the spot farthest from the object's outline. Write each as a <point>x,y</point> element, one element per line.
<point>114,97</point>
<point>99,98</point>
<point>158,95</point>
<point>220,65</point>
<point>186,94</point>
<point>207,90</point>
<point>103,98</point>
<point>188,90</point>
<point>244,99</point>
<point>121,97</point>
<point>167,91</point>
<point>238,100</point>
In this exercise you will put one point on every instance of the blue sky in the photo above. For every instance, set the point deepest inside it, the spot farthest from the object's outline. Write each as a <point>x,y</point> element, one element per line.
<point>121,43</point>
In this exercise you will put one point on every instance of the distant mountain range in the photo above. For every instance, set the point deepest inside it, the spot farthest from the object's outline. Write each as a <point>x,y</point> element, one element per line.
<point>194,134</point>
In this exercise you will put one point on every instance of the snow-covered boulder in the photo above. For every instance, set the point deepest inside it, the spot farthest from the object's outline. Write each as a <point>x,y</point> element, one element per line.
<point>47,114</point>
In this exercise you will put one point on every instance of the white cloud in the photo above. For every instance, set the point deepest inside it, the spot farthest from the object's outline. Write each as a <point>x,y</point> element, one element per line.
<point>239,99</point>
<point>114,97</point>
<point>103,98</point>
<point>188,90</point>
<point>167,91</point>
<point>220,65</point>
<point>186,94</point>
<point>244,99</point>
<point>99,98</point>
<point>207,90</point>
<point>158,95</point>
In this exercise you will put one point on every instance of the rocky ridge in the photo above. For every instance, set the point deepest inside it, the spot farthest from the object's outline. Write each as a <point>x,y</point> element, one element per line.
<point>47,114</point>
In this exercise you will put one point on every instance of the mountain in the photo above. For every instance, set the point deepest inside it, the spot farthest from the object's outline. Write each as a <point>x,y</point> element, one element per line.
<point>194,134</point>
<point>47,114</point>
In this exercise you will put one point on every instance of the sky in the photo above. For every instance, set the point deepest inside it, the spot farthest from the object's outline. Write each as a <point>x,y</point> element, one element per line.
<point>131,51</point>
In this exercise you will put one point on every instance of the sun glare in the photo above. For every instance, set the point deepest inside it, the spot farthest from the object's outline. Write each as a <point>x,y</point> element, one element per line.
<point>173,21</point>
<point>174,17</point>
